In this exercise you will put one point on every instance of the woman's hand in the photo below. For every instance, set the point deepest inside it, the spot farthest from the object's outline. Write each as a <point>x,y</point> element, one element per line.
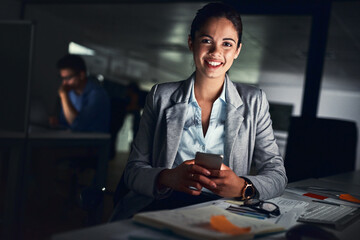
<point>228,184</point>
<point>184,176</point>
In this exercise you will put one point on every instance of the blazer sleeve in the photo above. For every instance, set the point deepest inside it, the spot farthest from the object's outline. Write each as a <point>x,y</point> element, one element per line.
<point>139,174</point>
<point>271,179</point>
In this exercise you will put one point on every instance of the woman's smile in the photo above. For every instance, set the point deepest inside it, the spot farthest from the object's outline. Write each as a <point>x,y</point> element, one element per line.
<point>215,48</point>
<point>214,64</point>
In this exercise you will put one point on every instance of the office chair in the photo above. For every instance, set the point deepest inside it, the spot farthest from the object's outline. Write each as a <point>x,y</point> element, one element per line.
<point>78,165</point>
<point>88,197</point>
<point>320,147</point>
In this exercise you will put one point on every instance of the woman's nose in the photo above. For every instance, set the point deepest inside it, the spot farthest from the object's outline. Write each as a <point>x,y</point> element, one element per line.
<point>215,49</point>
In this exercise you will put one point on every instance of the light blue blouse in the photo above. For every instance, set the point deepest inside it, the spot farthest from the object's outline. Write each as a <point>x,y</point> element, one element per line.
<point>192,138</point>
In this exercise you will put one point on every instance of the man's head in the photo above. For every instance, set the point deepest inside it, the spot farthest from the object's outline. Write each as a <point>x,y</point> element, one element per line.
<point>72,71</point>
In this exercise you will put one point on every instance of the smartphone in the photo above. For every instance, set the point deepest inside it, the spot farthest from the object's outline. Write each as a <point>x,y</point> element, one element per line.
<point>209,160</point>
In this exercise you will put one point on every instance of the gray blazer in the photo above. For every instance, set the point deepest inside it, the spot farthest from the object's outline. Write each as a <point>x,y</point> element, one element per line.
<point>248,132</point>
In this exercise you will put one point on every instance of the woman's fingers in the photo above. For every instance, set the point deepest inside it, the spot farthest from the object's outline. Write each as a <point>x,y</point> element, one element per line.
<point>190,191</point>
<point>204,181</point>
<point>189,162</point>
<point>199,170</point>
<point>224,167</point>
<point>191,178</point>
<point>194,185</point>
<point>198,174</point>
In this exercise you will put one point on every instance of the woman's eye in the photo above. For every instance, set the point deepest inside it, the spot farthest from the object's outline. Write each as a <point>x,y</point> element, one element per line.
<point>227,44</point>
<point>205,41</point>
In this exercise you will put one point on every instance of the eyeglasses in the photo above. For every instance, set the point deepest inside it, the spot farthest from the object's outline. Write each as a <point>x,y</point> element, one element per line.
<point>268,208</point>
<point>67,78</point>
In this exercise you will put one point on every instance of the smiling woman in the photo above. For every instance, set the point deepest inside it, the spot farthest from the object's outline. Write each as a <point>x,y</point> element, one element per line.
<point>205,113</point>
<point>214,47</point>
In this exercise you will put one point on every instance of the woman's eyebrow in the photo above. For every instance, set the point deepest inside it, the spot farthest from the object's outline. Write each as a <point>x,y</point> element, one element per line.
<point>229,39</point>
<point>224,39</point>
<point>205,35</point>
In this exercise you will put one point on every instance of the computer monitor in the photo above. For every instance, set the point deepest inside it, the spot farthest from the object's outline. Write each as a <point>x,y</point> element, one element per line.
<point>280,115</point>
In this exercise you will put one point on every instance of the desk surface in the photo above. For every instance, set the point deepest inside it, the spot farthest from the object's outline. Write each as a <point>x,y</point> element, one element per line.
<point>335,185</point>
<point>129,230</point>
<point>67,135</point>
<point>52,134</point>
<point>344,178</point>
<point>6,135</point>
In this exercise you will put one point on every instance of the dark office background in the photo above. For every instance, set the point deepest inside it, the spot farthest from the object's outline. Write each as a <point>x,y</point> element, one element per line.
<point>146,42</point>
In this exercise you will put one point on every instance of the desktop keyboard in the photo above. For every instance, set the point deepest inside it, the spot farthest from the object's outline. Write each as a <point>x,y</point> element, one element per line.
<point>338,216</point>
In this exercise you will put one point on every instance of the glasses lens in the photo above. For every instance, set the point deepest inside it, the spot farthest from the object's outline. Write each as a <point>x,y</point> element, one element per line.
<point>67,78</point>
<point>265,207</point>
<point>268,206</point>
<point>271,208</point>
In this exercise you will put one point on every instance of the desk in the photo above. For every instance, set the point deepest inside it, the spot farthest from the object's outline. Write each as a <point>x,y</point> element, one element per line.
<point>128,230</point>
<point>70,139</point>
<point>344,178</point>
<point>19,167</point>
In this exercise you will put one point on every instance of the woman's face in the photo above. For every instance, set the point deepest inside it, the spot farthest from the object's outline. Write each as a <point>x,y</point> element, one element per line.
<point>215,48</point>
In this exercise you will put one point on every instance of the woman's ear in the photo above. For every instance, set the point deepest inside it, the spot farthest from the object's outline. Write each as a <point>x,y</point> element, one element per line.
<point>190,43</point>
<point>238,51</point>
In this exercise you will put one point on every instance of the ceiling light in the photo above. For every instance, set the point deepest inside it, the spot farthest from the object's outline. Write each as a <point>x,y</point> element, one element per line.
<point>75,48</point>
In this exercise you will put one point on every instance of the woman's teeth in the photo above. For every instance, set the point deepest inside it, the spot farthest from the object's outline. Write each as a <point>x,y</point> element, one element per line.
<point>214,63</point>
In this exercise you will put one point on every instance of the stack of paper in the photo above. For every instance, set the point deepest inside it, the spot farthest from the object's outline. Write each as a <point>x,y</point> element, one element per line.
<point>195,223</point>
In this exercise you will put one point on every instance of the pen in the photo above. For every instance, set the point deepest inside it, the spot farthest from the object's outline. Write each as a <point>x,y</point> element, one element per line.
<point>247,215</point>
<point>133,237</point>
<point>330,203</point>
<point>247,212</point>
<point>243,211</point>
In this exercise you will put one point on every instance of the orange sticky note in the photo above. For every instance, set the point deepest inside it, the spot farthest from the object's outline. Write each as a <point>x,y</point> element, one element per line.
<point>349,198</point>
<point>221,224</point>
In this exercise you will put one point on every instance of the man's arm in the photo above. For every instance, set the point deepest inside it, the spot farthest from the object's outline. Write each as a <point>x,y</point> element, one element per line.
<point>69,110</point>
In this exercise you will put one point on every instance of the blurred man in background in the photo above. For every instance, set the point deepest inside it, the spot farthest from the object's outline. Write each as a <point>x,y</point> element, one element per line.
<point>85,105</point>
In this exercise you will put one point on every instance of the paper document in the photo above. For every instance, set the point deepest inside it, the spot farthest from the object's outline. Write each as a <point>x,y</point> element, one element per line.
<point>290,211</point>
<point>287,204</point>
<point>195,223</point>
<point>306,195</point>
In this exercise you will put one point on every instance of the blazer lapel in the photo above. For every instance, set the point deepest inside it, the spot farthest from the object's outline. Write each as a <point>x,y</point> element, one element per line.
<point>233,121</point>
<point>175,120</point>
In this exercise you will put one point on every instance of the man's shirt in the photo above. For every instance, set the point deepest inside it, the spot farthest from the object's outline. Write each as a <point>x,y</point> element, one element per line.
<point>192,138</point>
<point>93,107</point>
